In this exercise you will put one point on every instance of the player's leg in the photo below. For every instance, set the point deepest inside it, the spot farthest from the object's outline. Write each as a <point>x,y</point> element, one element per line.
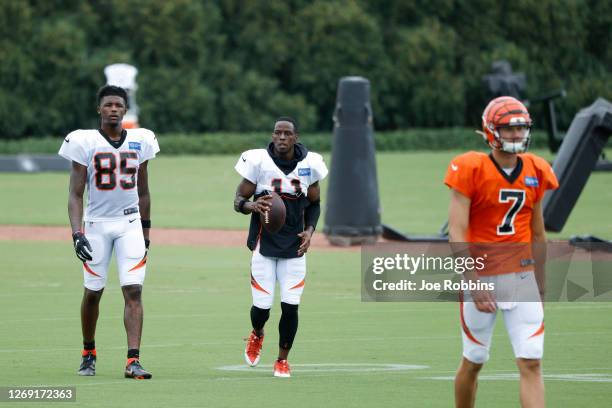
<point>133,317</point>
<point>477,330</point>
<point>291,274</point>
<point>94,280</point>
<point>466,383</point>
<point>525,326</point>
<point>131,261</point>
<point>259,317</point>
<point>89,319</point>
<point>90,310</point>
<point>532,384</point>
<point>263,279</point>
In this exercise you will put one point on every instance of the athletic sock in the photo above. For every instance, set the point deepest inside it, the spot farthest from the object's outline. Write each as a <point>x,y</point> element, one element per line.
<point>259,317</point>
<point>288,325</point>
<point>133,353</point>
<point>89,345</point>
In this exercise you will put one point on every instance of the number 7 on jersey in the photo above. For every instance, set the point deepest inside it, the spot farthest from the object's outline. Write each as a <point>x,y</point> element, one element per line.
<point>517,198</point>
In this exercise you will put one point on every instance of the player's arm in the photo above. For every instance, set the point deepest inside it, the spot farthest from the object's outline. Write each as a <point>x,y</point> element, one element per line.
<point>458,223</point>
<point>144,201</point>
<point>311,216</point>
<point>244,205</point>
<point>538,247</point>
<point>458,217</point>
<point>78,179</point>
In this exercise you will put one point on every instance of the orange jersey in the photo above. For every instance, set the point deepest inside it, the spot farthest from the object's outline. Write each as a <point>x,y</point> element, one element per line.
<point>502,205</point>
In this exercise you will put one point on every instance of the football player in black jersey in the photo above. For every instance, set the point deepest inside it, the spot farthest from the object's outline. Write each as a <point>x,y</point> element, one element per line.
<point>289,169</point>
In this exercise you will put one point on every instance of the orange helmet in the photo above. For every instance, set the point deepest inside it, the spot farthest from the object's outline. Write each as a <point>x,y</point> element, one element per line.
<point>505,111</point>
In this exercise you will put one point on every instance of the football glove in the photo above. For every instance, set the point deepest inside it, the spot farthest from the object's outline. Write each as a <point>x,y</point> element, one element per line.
<point>81,246</point>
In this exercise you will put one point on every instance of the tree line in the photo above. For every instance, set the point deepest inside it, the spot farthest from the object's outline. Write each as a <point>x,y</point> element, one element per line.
<point>233,65</point>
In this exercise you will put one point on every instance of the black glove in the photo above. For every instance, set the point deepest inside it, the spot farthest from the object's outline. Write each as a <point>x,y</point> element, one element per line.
<point>147,243</point>
<point>81,246</point>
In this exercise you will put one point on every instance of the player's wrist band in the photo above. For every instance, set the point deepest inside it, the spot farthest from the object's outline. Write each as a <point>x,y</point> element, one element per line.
<point>146,223</point>
<point>241,205</point>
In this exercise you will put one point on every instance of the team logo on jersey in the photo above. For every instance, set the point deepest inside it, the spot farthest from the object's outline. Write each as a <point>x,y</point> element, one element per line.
<point>531,181</point>
<point>134,145</point>
<point>304,172</point>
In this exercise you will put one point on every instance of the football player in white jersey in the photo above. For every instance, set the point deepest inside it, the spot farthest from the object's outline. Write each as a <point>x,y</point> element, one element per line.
<point>112,163</point>
<point>289,169</point>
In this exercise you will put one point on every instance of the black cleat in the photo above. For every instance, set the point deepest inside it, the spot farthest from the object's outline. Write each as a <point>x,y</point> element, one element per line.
<point>135,370</point>
<point>88,364</point>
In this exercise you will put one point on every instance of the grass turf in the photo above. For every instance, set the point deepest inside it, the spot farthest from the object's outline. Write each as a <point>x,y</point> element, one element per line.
<point>196,315</point>
<point>197,301</point>
<point>198,191</point>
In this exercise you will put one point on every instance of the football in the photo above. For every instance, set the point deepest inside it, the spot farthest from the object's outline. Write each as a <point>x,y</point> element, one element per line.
<point>274,219</point>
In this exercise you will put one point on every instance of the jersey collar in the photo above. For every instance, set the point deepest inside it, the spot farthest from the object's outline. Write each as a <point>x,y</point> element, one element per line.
<point>511,178</point>
<point>287,166</point>
<point>115,143</point>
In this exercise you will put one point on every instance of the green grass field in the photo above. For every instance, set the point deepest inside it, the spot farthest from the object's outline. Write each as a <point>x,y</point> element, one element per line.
<point>197,301</point>
<point>196,315</point>
<point>198,192</point>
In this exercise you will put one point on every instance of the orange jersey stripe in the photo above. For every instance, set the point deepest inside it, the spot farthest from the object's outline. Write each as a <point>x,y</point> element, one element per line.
<point>256,285</point>
<point>140,264</point>
<point>539,331</point>
<point>466,330</point>
<point>299,285</point>
<point>88,269</point>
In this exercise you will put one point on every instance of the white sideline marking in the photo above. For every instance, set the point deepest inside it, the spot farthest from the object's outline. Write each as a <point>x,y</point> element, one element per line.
<point>331,368</point>
<point>587,377</point>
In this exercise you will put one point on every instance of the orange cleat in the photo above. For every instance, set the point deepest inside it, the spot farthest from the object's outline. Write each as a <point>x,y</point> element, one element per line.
<point>252,352</point>
<point>282,369</point>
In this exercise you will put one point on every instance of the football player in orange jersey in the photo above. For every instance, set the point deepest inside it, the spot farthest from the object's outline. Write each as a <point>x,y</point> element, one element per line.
<point>496,199</point>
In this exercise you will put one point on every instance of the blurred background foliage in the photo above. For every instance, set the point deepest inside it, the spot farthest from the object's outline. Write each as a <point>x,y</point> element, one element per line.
<point>230,65</point>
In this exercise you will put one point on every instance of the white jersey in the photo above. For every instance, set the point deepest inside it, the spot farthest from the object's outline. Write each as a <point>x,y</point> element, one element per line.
<point>258,167</point>
<point>112,169</point>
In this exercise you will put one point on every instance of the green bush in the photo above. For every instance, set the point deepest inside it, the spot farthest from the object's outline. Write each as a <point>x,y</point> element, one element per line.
<point>233,66</point>
<point>235,143</point>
